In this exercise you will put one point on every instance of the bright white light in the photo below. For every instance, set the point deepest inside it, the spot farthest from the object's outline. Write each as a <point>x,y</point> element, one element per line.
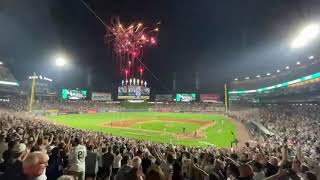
<point>308,34</point>
<point>298,63</point>
<point>278,71</point>
<point>287,67</point>
<point>9,83</point>
<point>247,78</point>
<point>60,61</point>
<point>268,74</point>
<point>1,62</point>
<point>236,79</point>
<point>311,57</point>
<point>258,76</point>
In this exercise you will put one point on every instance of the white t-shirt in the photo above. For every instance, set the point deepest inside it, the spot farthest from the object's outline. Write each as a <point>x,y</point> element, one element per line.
<point>117,161</point>
<point>77,158</point>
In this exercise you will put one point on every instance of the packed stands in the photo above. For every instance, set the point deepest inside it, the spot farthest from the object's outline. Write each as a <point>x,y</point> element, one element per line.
<point>28,143</point>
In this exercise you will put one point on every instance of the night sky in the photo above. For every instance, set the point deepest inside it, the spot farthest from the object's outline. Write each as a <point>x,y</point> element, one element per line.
<point>219,39</point>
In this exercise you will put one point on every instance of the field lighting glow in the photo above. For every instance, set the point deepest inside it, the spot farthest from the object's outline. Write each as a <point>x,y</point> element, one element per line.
<point>308,34</point>
<point>60,61</point>
<point>285,84</point>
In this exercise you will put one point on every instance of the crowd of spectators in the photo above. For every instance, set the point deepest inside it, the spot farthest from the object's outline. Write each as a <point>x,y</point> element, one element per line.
<point>80,106</point>
<point>14,104</point>
<point>34,148</point>
<point>295,124</point>
<point>186,107</point>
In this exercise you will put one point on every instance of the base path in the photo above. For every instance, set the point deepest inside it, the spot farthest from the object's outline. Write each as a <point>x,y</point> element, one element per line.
<point>242,132</point>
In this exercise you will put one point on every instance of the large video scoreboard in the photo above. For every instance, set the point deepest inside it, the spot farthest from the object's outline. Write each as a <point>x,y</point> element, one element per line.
<point>68,94</point>
<point>133,92</point>
<point>186,97</point>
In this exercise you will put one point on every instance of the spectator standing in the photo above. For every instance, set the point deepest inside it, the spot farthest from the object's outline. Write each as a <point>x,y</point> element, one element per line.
<point>55,165</point>
<point>116,162</point>
<point>91,163</point>
<point>125,169</point>
<point>107,163</point>
<point>77,160</point>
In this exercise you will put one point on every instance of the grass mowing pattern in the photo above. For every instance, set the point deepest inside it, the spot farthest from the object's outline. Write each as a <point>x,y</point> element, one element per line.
<point>218,135</point>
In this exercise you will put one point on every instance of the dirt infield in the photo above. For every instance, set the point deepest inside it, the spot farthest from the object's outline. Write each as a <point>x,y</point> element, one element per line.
<point>242,133</point>
<point>199,133</point>
<point>130,122</point>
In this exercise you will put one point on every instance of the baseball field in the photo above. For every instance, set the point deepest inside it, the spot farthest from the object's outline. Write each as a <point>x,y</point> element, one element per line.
<point>177,128</point>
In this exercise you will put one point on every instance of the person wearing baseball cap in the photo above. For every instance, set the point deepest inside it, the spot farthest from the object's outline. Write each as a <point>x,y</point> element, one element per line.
<point>14,168</point>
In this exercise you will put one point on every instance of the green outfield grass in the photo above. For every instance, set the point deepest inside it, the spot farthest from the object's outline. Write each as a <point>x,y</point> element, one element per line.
<point>153,130</point>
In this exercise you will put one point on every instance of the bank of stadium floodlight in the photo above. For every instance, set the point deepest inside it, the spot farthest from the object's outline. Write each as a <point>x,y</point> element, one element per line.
<point>311,57</point>
<point>268,74</point>
<point>236,79</point>
<point>258,76</point>
<point>307,34</point>
<point>298,63</point>
<point>278,70</point>
<point>61,61</point>
<point>247,78</point>
<point>287,67</point>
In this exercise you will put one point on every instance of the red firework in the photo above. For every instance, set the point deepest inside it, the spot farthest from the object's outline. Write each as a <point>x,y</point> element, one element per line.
<point>128,42</point>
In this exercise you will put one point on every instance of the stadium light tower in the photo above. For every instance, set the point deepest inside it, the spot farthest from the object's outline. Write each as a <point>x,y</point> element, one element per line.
<point>308,34</point>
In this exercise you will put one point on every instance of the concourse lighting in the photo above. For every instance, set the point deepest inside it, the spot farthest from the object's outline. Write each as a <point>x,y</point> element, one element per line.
<point>281,85</point>
<point>308,34</point>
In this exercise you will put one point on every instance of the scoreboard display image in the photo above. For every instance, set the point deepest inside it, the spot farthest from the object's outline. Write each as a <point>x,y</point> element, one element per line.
<point>133,92</point>
<point>68,94</point>
<point>186,97</point>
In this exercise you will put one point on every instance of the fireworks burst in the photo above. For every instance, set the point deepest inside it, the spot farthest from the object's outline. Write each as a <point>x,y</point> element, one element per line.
<point>128,43</point>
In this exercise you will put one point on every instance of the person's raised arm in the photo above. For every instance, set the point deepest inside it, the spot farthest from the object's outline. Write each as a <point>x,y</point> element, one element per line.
<point>202,172</point>
<point>299,154</point>
<point>51,139</point>
<point>36,138</point>
<point>284,155</point>
<point>281,173</point>
<point>228,159</point>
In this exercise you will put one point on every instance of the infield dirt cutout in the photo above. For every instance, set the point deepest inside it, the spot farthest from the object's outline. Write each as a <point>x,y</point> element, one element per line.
<point>199,133</point>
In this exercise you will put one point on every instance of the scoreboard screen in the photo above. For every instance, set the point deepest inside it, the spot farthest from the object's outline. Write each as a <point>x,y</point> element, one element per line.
<point>133,92</point>
<point>73,94</point>
<point>186,97</point>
